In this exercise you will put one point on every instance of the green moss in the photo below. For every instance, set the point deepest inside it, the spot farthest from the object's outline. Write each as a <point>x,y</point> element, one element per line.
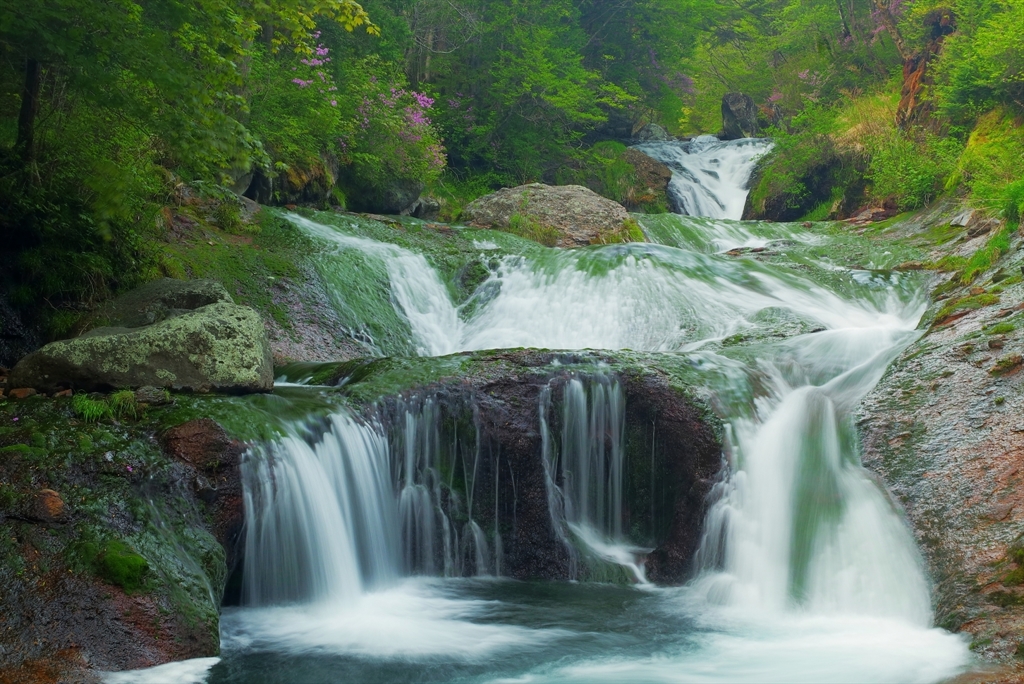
<point>966,304</point>
<point>526,227</point>
<point>118,564</point>
<point>1007,364</point>
<point>1001,328</point>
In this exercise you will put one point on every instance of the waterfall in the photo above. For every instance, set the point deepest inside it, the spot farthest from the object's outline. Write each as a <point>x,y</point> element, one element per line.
<point>709,176</point>
<point>338,509</point>
<point>584,473</point>
<point>805,566</point>
<point>321,520</point>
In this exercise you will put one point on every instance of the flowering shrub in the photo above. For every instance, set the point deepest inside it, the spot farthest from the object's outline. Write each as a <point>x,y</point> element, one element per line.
<point>393,138</point>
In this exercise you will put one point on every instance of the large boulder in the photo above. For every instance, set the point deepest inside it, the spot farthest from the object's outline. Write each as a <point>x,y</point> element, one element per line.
<point>739,117</point>
<point>570,215</point>
<point>187,336</point>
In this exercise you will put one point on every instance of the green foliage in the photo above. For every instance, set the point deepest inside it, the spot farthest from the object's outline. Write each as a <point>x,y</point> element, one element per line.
<point>910,169</point>
<point>90,410</point>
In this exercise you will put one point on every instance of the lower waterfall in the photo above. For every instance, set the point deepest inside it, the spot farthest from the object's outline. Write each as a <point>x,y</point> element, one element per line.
<point>378,546</point>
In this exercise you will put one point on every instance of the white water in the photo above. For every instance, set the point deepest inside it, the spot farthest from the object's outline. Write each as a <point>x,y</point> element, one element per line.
<point>807,570</point>
<point>709,176</point>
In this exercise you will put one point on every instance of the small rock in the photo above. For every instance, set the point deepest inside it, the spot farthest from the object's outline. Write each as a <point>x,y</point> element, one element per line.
<point>202,443</point>
<point>975,291</point>
<point>21,393</point>
<point>996,343</point>
<point>963,218</point>
<point>910,266</point>
<point>62,394</point>
<point>47,506</point>
<point>154,396</point>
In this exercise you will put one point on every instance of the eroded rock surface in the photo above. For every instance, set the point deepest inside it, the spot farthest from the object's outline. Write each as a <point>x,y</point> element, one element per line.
<point>580,215</point>
<point>945,429</point>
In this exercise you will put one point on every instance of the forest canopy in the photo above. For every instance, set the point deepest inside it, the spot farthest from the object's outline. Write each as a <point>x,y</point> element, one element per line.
<point>108,108</point>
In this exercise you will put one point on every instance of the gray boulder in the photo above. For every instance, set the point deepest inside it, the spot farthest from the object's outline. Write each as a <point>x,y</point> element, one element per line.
<point>179,335</point>
<point>560,215</point>
<point>652,132</point>
<point>739,117</point>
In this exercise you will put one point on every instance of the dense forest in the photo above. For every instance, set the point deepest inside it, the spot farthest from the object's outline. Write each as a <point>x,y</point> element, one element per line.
<point>113,109</point>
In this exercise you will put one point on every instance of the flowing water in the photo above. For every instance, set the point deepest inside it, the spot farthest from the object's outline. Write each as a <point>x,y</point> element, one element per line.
<point>806,573</point>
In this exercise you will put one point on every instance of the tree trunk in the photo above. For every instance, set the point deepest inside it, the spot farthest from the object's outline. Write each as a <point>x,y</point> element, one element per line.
<point>889,21</point>
<point>26,143</point>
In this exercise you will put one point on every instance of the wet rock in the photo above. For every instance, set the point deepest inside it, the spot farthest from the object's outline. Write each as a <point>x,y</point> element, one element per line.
<point>652,132</point>
<point>21,393</point>
<point>47,506</point>
<point>652,177</point>
<point>63,394</point>
<point>427,208</point>
<point>204,445</point>
<point>153,396</point>
<point>218,347</point>
<point>578,215</point>
<point>671,440</point>
<point>393,197</point>
<point>739,117</point>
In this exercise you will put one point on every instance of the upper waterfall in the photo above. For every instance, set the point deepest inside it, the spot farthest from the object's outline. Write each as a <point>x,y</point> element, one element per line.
<point>709,176</point>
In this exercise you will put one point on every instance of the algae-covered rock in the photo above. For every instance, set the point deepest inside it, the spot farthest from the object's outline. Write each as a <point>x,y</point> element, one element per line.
<point>571,215</point>
<point>218,347</point>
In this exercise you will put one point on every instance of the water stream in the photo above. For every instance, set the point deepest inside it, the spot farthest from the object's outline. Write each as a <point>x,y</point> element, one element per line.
<point>807,571</point>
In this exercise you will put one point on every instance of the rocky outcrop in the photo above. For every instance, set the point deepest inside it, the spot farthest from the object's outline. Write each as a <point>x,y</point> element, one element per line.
<point>109,553</point>
<point>652,179</point>
<point>739,117</point>
<point>206,447</point>
<point>165,335</point>
<point>394,197</point>
<point>944,429</point>
<point>577,215</point>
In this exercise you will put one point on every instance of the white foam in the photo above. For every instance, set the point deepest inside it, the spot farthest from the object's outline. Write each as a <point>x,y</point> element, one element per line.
<point>193,671</point>
<point>411,621</point>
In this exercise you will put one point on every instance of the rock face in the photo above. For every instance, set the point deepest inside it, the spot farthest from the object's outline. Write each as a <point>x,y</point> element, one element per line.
<point>205,446</point>
<point>396,197</point>
<point>579,215</point>
<point>67,608</point>
<point>489,405</point>
<point>168,336</point>
<point>739,117</point>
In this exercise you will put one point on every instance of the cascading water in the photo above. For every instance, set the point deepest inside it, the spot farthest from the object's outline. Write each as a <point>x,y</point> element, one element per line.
<point>709,176</point>
<point>806,570</point>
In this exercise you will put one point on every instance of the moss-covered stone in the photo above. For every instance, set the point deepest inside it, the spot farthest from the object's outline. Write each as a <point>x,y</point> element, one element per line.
<point>220,346</point>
